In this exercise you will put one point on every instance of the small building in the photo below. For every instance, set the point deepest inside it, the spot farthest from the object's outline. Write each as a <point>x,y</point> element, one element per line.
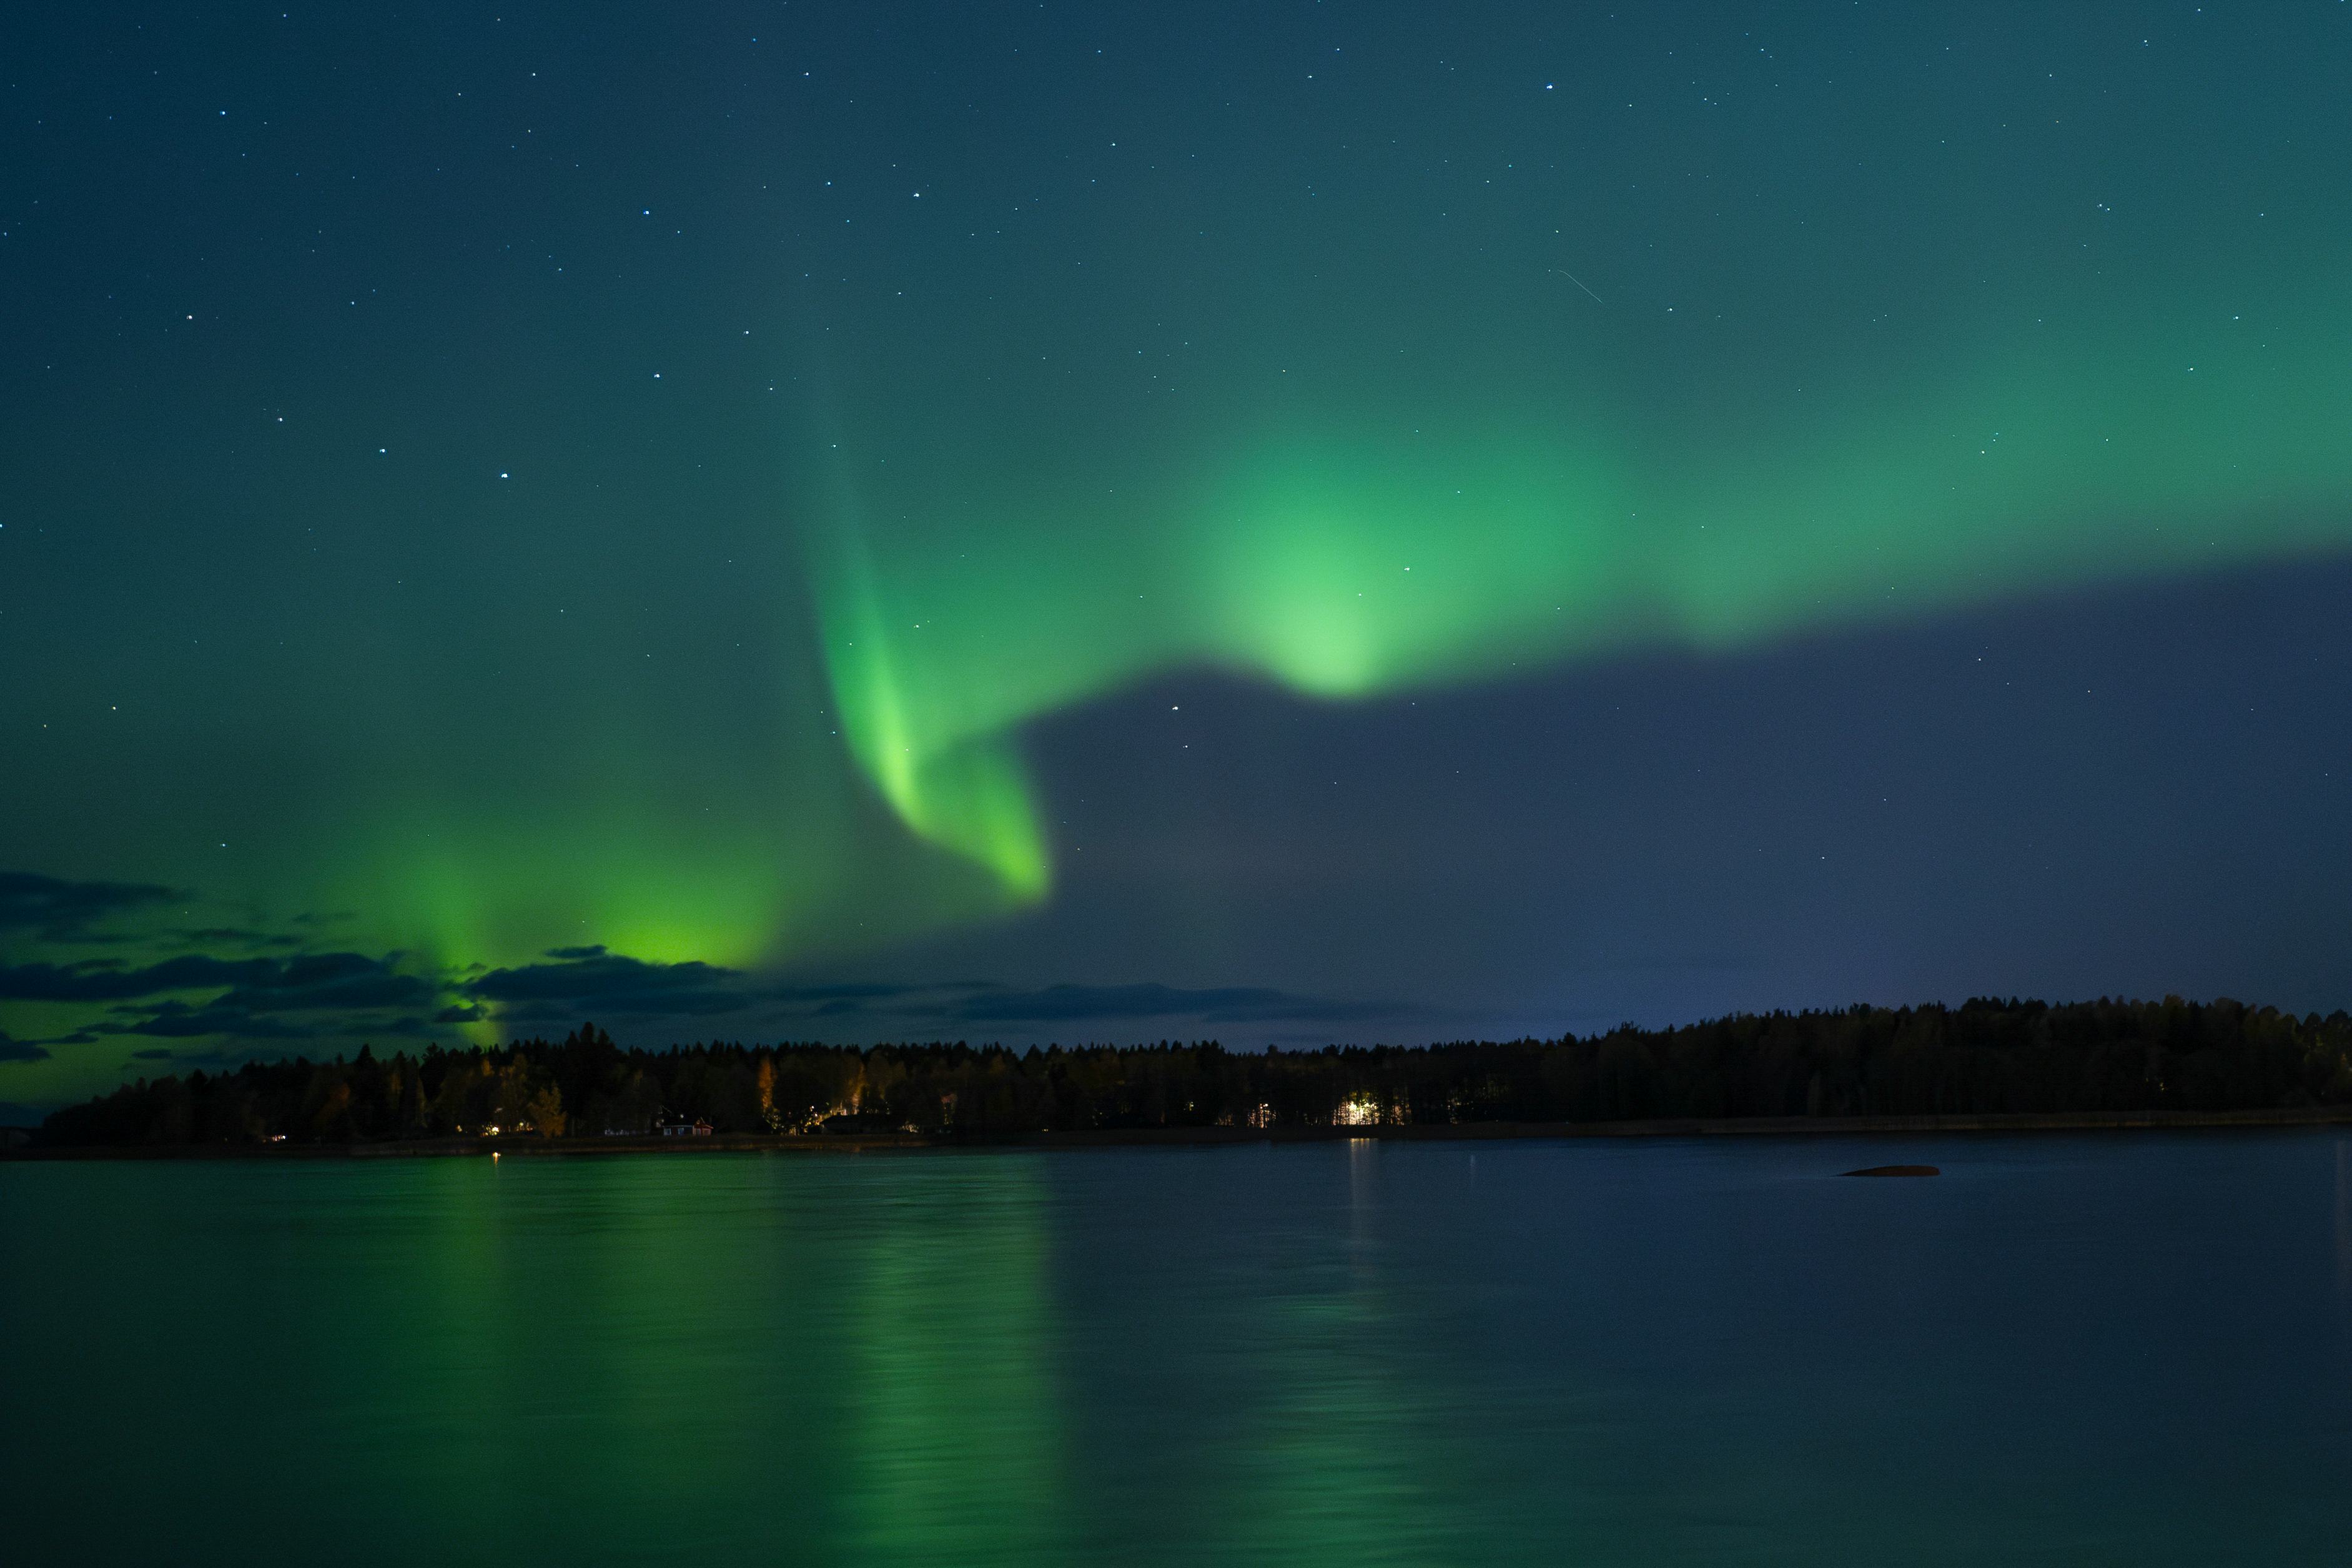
<point>698,1128</point>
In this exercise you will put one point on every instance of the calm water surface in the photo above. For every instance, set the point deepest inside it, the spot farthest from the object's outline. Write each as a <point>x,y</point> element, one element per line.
<point>2120,1349</point>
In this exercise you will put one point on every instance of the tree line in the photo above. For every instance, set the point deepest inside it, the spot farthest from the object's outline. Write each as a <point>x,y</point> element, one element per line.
<point>1983,1057</point>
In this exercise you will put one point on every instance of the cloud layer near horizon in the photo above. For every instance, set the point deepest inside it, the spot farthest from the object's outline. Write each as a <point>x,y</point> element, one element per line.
<point>77,957</point>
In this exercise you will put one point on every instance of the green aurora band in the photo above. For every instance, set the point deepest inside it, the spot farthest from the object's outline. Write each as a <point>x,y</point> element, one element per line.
<point>474,576</point>
<point>1355,560</point>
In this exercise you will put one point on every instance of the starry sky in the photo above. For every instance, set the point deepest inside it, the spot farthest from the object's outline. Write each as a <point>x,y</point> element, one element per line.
<point>1286,523</point>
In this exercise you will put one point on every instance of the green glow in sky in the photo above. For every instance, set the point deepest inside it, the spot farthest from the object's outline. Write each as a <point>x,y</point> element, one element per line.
<point>1349,558</point>
<point>711,525</point>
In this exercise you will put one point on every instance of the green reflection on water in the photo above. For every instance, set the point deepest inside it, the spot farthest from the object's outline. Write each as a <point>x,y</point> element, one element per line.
<point>1300,1356</point>
<point>573,1360</point>
<point>957,1448</point>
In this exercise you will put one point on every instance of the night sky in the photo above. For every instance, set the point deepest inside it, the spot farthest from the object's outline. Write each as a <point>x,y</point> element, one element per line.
<point>1278,522</point>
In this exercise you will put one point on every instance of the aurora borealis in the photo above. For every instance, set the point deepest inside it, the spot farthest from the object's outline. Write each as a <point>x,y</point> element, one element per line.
<point>1298,523</point>
<point>1302,568</point>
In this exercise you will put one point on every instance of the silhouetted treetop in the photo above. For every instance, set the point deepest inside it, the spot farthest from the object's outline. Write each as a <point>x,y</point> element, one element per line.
<point>1982,1058</point>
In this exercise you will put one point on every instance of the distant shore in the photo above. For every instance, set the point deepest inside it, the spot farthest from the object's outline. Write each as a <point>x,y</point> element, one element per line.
<point>1154,1137</point>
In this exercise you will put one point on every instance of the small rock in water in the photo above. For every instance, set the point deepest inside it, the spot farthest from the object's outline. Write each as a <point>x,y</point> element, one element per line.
<point>1898,1170</point>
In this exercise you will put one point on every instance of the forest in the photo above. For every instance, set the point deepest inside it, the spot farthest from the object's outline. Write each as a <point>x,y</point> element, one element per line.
<point>1984,1057</point>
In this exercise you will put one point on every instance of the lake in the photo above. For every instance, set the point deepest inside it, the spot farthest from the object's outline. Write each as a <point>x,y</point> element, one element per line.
<point>2118,1348</point>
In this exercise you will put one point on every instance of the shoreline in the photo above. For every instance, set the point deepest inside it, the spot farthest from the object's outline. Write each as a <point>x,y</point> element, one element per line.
<point>1214,1137</point>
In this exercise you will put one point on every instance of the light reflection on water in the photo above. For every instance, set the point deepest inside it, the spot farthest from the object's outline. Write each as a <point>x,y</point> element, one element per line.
<point>1337,1409</point>
<point>956,1446</point>
<point>2122,1348</point>
<point>2344,1219</point>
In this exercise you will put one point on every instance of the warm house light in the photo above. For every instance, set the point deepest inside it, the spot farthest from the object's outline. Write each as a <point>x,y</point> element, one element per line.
<point>1357,1110</point>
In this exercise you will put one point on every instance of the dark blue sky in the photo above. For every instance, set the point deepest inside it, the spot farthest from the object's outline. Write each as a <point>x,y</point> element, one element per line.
<point>856,522</point>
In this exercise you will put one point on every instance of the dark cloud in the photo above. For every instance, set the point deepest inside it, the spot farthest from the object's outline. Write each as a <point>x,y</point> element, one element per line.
<point>847,998</point>
<point>594,980</point>
<point>105,980</point>
<point>585,980</point>
<point>235,936</point>
<point>176,1021</point>
<point>172,1020</point>
<point>59,910</point>
<point>1224,1004</point>
<point>256,999</point>
<point>539,1013</point>
<point>14,1050</point>
<point>333,980</point>
<point>317,980</point>
<point>258,990</point>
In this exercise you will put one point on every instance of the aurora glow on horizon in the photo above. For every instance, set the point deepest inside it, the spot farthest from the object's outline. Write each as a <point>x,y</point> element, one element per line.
<point>1086,525</point>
